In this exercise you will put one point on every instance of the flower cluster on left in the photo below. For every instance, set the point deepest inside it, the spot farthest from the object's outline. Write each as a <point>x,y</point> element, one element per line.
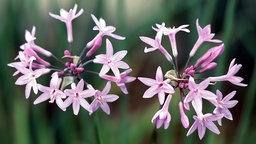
<point>67,86</point>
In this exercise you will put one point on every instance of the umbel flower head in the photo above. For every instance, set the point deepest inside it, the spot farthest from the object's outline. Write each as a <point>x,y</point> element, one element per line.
<point>193,89</point>
<point>67,85</point>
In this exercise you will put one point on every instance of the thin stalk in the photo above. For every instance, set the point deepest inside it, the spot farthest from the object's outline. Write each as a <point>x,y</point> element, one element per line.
<point>89,61</point>
<point>98,128</point>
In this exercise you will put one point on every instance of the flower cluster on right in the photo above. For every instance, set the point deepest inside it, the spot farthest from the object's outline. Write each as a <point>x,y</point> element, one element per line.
<point>191,87</point>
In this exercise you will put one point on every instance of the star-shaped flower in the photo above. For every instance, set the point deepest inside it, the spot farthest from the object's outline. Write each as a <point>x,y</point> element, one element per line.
<point>171,32</point>
<point>197,92</point>
<point>230,76</point>
<point>67,18</point>
<point>77,96</point>
<point>122,80</point>
<point>101,98</point>
<point>163,116</point>
<point>111,61</point>
<point>223,105</point>
<point>29,78</point>
<point>53,92</point>
<point>157,86</point>
<point>204,35</point>
<point>30,37</point>
<point>202,122</point>
<point>155,45</point>
<point>95,43</point>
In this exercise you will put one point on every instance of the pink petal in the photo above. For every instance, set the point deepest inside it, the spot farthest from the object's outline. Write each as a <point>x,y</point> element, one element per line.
<point>107,88</point>
<point>211,126</point>
<point>105,108</point>
<point>147,81</point>
<point>84,104</point>
<point>229,96</point>
<point>201,131</point>
<point>104,70</point>
<point>109,48</point>
<point>28,89</point>
<point>67,102</point>
<point>111,98</point>
<point>148,40</point>
<point>116,36</point>
<point>76,107</point>
<point>193,128</point>
<point>43,97</point>
<point>159,74</point>
<point>150,92</point>
<point>119,55</point>
<point>80,85</point>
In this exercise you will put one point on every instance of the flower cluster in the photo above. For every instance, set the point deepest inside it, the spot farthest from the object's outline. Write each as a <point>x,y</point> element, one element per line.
<point>67,86</point>
<point>192,89</point>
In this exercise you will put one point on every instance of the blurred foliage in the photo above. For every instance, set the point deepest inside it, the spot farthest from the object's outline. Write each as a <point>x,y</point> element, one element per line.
<point>21,122</point>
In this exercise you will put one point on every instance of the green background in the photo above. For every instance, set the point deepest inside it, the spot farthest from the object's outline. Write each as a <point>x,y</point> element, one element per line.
<point>21,122</point>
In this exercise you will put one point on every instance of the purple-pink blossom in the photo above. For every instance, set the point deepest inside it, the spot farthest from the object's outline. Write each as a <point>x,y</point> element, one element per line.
<point>197,92</point>
<point>203,121</point>
<point>171,32</point>
<point>29,78</point>
<point>67,17</point>
<point>204,35</point>
<point>157,86</point>
<point>230,76</point>
<point>120,82</point>
<point>224,104</point>
<point>52,92</point>
<point>96,42</point>
<point>101,98</point>
<point>77,95</point>
<point>155,45</point>
<point>111,61</point>
<point>163,117</point>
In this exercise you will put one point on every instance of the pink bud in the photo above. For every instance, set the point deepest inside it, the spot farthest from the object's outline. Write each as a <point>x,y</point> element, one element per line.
<point>208,67</point>
<point>209,56</point>
<point>96,44</point>
<point>183,116</point>
<point>67,53</point>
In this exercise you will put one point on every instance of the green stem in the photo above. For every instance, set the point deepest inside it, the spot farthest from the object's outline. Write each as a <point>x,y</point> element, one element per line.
<point>98,128</point>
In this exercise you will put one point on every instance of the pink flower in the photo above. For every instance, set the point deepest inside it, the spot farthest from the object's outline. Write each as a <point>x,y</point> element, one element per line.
<point>111,61</point>
<point>103,30</point>
<point>30,37</point>
<point>197,92</point>
<point>230,76</point>
<point>77,96</point>
<point>122,80</point>
<point>157,86</point>
<point>223,105</point>
<point>163,116</point>
<point>24,62</point>
<point>183,117</point>
<point>155,45</point>
<point>160,31</point>
<point>53,92</point>
<point>171,32</point>
<point>204,35</point>
<point>29,78</point>
<point>205,61</point>
<point>67,18</point>
<point>101,98</point>
<point>202,122</point>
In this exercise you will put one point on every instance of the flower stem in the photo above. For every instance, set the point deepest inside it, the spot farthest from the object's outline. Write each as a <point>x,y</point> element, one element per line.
<point>97,128</point>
